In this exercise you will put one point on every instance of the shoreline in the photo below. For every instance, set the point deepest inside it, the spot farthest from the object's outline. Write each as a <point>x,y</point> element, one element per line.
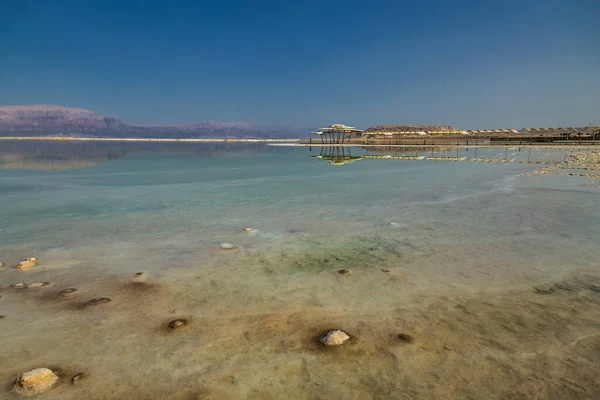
<point>301,142</point>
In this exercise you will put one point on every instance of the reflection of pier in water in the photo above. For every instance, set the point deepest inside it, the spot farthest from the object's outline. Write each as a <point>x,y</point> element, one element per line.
<point>337,155</point>
<point>413,153</point>
<point>398,153</point>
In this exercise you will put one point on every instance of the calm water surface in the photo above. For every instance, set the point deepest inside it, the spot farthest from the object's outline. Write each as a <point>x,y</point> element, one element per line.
<point>492,270</point>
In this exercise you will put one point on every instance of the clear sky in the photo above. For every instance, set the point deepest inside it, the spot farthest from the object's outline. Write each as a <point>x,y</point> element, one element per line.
<point>470,63</point>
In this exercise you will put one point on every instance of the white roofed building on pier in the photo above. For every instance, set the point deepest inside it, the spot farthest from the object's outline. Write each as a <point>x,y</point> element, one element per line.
<point>337,133</point>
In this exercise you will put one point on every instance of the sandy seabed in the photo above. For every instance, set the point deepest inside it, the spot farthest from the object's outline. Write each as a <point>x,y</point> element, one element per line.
<point>246,343</point>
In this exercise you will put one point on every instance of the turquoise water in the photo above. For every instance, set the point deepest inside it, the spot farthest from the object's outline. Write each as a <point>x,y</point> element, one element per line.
<point>454,236</point>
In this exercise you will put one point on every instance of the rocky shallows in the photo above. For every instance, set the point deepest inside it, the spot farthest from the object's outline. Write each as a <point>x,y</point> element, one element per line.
<point>588,160</point>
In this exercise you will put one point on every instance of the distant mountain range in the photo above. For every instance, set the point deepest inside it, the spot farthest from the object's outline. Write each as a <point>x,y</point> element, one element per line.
<point>40,120</point>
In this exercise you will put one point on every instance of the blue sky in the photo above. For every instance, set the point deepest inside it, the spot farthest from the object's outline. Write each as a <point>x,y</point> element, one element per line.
<point>474,64</point>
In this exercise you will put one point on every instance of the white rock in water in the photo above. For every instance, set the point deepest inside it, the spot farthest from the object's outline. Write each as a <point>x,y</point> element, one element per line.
<point>26,264</point>
<point>226,246</point>
<point>249,229</point>
<point>334,338</point>
<point>34,382</point>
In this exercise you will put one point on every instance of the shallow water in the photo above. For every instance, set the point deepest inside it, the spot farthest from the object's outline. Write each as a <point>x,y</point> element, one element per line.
<point>492,270</point>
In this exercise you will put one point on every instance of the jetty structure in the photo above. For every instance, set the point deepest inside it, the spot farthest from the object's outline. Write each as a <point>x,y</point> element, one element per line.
<point>337,133</point>
<point>403,135</point>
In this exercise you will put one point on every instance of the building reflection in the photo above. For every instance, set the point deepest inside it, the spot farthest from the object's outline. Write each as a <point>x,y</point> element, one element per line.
<point>341,155</point>
<point>337,155</point>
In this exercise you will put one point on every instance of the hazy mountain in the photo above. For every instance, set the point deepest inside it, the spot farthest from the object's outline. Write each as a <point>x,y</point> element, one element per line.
<point>53,120</point>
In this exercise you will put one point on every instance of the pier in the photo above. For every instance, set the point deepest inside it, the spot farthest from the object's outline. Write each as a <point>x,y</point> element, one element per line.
<point>337,133</point>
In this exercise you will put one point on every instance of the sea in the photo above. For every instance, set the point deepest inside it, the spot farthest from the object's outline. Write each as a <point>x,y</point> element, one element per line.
<point>457,272</point>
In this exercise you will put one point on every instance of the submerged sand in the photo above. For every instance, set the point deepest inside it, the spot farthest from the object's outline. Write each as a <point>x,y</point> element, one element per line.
<point>540,342</point>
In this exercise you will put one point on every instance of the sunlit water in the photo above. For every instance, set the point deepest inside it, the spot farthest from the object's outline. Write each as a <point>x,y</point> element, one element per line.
<point>492,270</point>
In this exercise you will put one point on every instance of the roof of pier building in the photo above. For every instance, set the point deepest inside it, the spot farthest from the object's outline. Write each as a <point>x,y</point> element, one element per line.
<point>387,130</point>
<point>337,128</point>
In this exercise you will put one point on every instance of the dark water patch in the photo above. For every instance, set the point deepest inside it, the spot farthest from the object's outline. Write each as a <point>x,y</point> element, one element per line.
<point>593,288</point>
<point>7,188</point>
<point>353,254</point>
<point>569,285</point>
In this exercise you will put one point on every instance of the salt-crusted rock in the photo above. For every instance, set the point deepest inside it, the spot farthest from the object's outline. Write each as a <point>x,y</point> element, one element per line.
<point>405,338</point>
<point>26,264</point>
<point>178,323</point>
<point>139,277</point>
<point>37,285</point>
<point>334,338</point>
<point>34,382</point>
<point>97,301</point>
<point>226,246</point>
<point>68,292</point>
<point>77,378</point>
<point>249,229</point>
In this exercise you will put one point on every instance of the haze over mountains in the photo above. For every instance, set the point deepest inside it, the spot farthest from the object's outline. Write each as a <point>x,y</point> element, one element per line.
<point>33,120</point>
